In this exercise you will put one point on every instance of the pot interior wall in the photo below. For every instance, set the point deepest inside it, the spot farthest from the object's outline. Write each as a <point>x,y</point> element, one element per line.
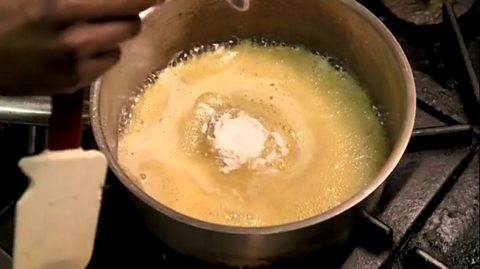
<point>331,27</point>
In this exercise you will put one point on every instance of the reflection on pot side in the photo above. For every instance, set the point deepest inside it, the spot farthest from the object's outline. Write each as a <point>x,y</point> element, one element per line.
<point>240,5</point>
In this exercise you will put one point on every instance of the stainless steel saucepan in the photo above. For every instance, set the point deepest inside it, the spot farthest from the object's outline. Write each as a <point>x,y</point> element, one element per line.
<point>343,29</point>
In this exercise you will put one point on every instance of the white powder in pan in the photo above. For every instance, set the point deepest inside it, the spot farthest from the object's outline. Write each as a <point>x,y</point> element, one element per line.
<point>238,140</point>
<point>242,138</point>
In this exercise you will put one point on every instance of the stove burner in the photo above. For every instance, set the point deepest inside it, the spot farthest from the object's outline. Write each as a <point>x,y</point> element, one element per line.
<point>425,12</point>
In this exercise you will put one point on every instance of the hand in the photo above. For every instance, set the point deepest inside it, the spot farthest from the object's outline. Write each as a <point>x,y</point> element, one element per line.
<point>58,46</point>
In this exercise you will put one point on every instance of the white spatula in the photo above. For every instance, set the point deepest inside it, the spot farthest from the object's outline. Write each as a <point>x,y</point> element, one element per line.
<point>56,218</point>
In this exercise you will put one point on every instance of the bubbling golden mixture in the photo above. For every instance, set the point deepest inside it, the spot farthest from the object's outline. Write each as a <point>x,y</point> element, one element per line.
<point>253,135</point>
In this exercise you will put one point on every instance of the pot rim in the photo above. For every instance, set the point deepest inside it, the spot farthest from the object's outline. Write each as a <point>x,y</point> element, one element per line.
<point>394,157</point>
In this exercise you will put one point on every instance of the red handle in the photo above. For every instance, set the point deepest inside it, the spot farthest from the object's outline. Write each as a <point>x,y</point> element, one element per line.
<point>66,125</point>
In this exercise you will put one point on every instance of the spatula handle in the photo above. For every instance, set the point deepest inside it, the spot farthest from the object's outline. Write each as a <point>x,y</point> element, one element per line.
<point>65,131</point>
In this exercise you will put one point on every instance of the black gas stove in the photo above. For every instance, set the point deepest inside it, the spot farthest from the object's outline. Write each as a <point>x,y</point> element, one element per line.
<point>428,216</point>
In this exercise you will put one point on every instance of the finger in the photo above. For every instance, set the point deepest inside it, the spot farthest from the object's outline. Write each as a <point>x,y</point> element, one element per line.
<point>73,10</point>
<point>89,69</point>
<point>86,39</point>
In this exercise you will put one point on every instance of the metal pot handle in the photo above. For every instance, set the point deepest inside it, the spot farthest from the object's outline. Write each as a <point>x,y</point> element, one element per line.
<point>31,110</point>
